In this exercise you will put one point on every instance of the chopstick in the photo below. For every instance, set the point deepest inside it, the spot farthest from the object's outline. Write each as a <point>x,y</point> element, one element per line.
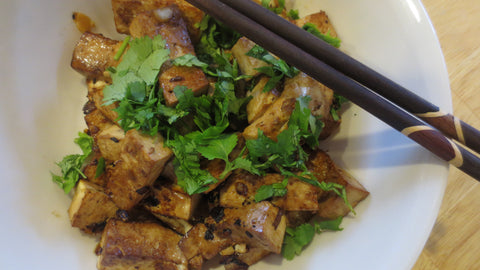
<point>377,105</point>
<point>445,122</point>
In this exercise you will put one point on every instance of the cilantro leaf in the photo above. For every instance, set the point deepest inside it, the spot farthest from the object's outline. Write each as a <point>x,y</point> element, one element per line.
<point>219,147</point>
<point>187,166</point>
<point>276,70</point>
<point>311,28</point>
<point>338,101</point>
<point>71,165</point>
<point>293,14</point>
<point>329,225</point>
<point>215,36</point>
<point>297,238</point>
<point>189,60</point>
<point>273,190</point>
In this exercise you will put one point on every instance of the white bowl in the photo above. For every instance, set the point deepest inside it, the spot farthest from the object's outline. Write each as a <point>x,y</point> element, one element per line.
<point>42,97</point>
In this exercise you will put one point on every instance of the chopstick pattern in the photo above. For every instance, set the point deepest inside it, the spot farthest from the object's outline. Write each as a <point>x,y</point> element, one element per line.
<point>307,61</point>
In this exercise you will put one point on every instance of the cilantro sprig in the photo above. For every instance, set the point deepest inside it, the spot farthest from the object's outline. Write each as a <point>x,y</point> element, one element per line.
<point>276,70</point>
<point>273,190</point>
<point>297,238</point>
<point>71,165</point>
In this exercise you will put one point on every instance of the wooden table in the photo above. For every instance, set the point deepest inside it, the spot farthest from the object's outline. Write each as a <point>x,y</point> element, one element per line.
<point>455,240</point>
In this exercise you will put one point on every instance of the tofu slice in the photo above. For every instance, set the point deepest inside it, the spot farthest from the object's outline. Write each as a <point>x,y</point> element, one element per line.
<point>95,94</point>
<point>94,119</point>
<point>321,101</point>
<point>261,100</point>
<point>110,142</point>
<point>125,11</point>
<point>142,159</point>
<point>238,261</point>
<point>246,64</point>
<point>171,201</point>
<point>241,188</point>
<point>173,206</point>
<point>331,206</point>
<point>334,207</point>
<point>173,29</point>
<point>258,225</point>
<point>202,243</point>
<point>139,246</point>
<point>273,121</point>
<point>191,77</point>
<point>93,54</point>
<point>320,20</point>
<point>90,169</point>
<point>90,208</point>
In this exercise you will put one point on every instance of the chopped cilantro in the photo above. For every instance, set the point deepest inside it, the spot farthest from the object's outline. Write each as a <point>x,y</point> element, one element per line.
<point>100,167</point>
<point>287,152</point>
<point>215,36</point>
<point>276,70</point>
<point>273,190</point>
<point>297,238</point>
<point>338,101</point>
<point>293,14</point>
<point>71,165</point>
<point>311,28</point>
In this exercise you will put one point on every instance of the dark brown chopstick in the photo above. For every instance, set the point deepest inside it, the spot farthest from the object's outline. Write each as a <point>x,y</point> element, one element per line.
<point>430,113</point>
<point>398,118</point>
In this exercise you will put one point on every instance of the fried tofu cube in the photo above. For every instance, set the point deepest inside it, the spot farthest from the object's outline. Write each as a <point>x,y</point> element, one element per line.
<point>191,77</point>
<point>141,246</point>
<point>93,54</point>
<point>331,205</point>
<point>239,261</point>
<point>110,142</point>
<point>246,63</point>
<point>173,202</point>
<point>91,169</point>
<point>125,11</point>
<point>90,208</point>
<point>202,243</point>
<point>173,30</point>
<point>261,100</point>
<point>321,101</point>
<point>241,188</point>
<point>320,20</point>
<point>94,119</point>
<point>258,225</point>
<point>334,206</point>
<point>95,94</point>
<point>141,161</point>
<point>273,121</point>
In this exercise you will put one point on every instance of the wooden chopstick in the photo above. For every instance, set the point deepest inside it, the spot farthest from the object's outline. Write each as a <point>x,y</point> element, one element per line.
<point>445,122</point>
<point>430,138</point>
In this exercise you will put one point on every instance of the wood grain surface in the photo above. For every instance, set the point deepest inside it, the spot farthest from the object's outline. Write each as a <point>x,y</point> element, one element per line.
<point>455,239</point>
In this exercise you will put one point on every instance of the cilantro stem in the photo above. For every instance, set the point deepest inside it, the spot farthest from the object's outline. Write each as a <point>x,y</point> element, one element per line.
<point>122,48</point>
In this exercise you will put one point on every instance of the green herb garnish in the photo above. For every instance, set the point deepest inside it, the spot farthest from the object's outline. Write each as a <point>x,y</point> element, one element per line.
<point>276,70</point>
<point>273,190</point>
<point>311,28</point>
<point>297,238</point>
<point>71,165</point>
